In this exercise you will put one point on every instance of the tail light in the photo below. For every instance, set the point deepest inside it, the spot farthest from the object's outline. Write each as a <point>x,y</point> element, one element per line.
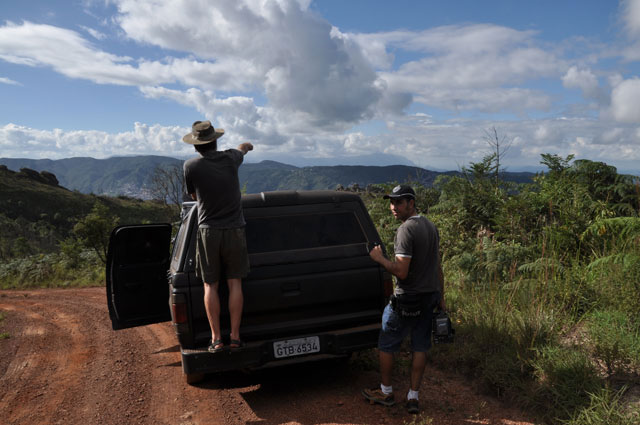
<point>179,312</point>
<point>179,309</point>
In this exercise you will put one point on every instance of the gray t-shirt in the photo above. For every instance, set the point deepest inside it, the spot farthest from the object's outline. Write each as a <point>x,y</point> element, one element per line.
<point>418,239</point>
<point>213,177</point>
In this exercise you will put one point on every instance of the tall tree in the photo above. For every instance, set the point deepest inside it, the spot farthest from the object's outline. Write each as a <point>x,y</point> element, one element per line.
<point>500,145</point>
<point>167,186</point>
<point>94,230</point>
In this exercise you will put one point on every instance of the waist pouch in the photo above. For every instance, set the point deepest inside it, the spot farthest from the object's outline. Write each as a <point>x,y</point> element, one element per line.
<point>408,305</point>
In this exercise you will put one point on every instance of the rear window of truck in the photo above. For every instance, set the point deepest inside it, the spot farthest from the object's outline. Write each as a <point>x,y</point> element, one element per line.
<point>303,231</point>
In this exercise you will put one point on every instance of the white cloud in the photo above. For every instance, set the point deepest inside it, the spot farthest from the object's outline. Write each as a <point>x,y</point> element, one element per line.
<point>469,67</point>
<point>426,143</point>
<point>583,79</point>
<point>625,101</point>
<point>94,33</point>
<point>66,52</point>
<point>9,81</point>
<point>631,16</point>
<point>23,142</point>
<point>293,56</point>
<point>69,54</point>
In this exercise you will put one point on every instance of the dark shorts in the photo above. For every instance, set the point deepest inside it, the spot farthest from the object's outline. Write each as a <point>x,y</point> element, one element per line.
<point>221,253</point>
<point>395,327</point>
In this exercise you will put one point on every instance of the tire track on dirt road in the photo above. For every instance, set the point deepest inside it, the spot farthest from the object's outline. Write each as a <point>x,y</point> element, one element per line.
<point>63,364</point>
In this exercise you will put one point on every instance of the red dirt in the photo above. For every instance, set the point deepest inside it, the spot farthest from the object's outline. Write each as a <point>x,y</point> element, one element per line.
<point>62,364</point>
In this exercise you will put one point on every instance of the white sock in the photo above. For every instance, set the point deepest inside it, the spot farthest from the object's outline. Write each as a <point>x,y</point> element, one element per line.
<point>412,395</point>
<point>386,390</point>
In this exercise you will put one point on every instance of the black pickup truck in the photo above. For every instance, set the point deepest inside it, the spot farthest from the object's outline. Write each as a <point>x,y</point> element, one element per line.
<point>312,290</point>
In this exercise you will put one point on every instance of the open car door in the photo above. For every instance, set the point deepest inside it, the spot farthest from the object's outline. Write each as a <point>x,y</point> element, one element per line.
<point>136,276</point>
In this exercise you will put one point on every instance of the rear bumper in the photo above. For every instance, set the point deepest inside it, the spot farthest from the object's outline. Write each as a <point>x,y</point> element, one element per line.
<point>260,353</point>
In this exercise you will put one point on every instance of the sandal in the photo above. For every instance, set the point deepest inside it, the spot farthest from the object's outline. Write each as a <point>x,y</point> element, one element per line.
<point>216,346</point>
<point>236,344</point>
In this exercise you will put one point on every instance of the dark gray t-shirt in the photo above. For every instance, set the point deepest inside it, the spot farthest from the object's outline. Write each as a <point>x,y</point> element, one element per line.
<point>213,177</point>
<point>418,239</point>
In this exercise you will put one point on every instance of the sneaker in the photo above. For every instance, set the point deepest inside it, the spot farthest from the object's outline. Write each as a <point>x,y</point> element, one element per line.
<point>413,407</point>
<point>376,395</point>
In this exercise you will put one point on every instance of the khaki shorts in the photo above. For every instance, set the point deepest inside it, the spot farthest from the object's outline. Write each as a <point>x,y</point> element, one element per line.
<point>221,253</point>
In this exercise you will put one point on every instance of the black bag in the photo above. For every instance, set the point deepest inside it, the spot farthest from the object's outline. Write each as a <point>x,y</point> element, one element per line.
<point>407,305</point>
<point>442,330</point>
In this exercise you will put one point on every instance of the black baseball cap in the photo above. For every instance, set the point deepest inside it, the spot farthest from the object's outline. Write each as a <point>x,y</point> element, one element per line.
<point>401,191</point>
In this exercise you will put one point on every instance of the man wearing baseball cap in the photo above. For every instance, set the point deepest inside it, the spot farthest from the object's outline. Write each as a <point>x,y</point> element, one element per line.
<point>212,180</point>
<point>419,289</point>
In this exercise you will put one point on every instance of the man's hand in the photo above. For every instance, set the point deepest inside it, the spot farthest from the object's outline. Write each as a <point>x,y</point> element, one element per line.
<point>245,147</point>
<point>376,254</point>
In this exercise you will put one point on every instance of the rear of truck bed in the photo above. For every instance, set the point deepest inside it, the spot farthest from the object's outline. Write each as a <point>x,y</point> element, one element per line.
<point>312,289</point>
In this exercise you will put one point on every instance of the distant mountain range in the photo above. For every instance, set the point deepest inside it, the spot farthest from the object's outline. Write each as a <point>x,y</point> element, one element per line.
<point>131,176</point>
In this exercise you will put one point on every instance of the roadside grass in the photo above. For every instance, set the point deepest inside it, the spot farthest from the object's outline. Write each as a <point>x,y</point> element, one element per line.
<point>605,408</point>
<point>517,340</point>
<point>545,318</point>
<point>54,270</point>
<point>615,340</point>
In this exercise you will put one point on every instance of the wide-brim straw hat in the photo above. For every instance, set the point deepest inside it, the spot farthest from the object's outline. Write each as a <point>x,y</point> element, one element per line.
<point>202,132</point>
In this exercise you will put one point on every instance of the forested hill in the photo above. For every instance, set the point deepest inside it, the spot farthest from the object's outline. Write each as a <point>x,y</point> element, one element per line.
<point>129,176</point>
<point>36,213</point>
<point>132,176</point>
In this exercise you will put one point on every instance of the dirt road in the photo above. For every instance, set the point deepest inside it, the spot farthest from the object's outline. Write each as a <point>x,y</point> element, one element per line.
<point>62,364</point>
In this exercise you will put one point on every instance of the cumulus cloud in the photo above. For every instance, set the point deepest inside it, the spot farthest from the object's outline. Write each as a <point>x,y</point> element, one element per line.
<point>585,80</point>
<point>302,66</point>
<point>68,53</point>
<point>625,101</point>
<point>19,141</point>
<point>631,17</point>
<point>469,67</point>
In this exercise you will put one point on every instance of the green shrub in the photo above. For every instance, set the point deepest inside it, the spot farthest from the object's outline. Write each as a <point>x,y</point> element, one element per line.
<point>525,264</point>
<point>498,333</point>
<point>615,340</point>
<point>605,408</point>
<point>565,376</point>
<point>51,270</point>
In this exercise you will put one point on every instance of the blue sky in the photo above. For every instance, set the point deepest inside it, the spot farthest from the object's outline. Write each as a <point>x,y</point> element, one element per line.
<point>323,81</point>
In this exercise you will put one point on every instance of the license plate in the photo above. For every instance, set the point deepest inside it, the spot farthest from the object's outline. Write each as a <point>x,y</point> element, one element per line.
<point>296,347</point>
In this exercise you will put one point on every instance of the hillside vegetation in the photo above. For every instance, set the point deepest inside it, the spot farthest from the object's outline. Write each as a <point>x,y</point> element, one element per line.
<point>49,232</point>
<point>130,176</point>
<point>542,276</point>
<point>543,285</point>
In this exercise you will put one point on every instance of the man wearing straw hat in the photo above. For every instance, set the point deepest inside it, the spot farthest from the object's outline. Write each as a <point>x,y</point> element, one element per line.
<point>212,180</point>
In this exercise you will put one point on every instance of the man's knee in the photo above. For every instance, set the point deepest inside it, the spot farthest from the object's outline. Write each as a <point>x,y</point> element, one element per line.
<point>234,284</point>
<point>211,286</point>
